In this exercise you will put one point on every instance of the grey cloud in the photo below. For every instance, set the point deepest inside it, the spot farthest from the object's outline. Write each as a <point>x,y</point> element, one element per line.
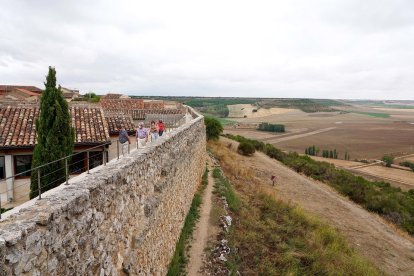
<point>296,48</point>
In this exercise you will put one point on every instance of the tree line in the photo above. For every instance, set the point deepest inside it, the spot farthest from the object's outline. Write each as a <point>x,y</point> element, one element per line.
<point>271,127</point>
<point>314,151</point>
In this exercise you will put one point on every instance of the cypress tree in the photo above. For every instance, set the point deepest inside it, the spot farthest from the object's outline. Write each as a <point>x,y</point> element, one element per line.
<point>55,137</point>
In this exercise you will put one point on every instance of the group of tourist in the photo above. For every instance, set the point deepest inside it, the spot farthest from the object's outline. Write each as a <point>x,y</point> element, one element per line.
<point>142,134</point>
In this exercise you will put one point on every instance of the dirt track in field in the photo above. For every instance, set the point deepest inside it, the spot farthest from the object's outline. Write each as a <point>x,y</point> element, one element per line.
<point>297,136</point>
<point>386,247</point>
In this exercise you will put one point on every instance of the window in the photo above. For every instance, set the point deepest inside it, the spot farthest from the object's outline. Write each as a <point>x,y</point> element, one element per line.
<point>77,163</point>
<point>22,163</point>
<point>2,168</point>
<point>95,159</point>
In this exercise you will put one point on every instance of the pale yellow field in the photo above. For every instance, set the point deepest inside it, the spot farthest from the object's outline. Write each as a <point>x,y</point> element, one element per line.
<point>246,111</point>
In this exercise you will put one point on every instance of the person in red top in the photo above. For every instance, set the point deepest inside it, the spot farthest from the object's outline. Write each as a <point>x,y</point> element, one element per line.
<point>161,127</point>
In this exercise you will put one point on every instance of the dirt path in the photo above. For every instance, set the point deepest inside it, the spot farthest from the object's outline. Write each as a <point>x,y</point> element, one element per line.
<point>297,136</point>
<point>201,232</point>
<point>366,232</point>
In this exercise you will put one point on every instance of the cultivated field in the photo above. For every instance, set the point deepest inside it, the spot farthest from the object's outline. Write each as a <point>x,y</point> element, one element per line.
<point>362,131</point>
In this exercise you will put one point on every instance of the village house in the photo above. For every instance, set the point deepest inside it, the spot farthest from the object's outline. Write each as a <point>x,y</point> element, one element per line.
<point>115,96</point>
<point>69,94</point>
<point>138,109</point>
<point>20,93</point>
<point>18,138</point>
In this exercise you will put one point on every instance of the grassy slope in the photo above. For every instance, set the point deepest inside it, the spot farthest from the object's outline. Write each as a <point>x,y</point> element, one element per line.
<point>270,237</point>
<point>390,202</point>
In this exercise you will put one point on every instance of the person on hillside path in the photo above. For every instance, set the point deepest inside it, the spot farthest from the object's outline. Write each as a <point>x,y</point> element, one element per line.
<point>123,139</point>
<point>273,178</point>
<point>153,131</point>
<point>142,135</point>
<point>161,127</point>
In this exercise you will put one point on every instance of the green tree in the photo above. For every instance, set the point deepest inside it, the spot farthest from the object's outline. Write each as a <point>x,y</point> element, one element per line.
<point>55,137</point>
<point>388,160</point>
<point>213,128</point>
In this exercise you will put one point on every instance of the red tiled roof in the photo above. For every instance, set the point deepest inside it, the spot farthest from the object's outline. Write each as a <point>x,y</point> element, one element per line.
<point>7,88</point>
<point>17,125</point>
<point>121,104</point>
<point>154,105</point>
<point>139,114</point>
<point>27,92</point>
<point>116,121</point>
<point>90,125</point>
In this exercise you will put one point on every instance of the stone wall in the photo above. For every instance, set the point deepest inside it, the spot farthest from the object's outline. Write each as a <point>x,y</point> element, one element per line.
<point>123,219</point>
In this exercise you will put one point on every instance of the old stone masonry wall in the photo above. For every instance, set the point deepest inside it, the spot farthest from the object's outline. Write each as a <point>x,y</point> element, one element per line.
<point>123,219</point>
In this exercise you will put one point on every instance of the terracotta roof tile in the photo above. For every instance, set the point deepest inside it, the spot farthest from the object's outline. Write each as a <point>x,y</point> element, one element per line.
<point>154,105</point>
<point>139,114</point>
<point>27,92</point>
<point>17,125</point>
<point>90,125</point>
<point>116,121</point>
<point>7,88</point>
<point>121,104</point>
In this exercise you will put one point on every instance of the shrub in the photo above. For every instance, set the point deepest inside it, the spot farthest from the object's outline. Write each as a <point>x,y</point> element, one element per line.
<point>388,160</point>
<point>408,164</point>
<point>246,148</point>
<point>213,128</point>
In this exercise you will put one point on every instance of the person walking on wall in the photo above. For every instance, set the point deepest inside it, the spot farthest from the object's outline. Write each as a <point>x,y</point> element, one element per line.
<point>161,127</point>
<point>153,131</point>
<point>142,135</point>
<point>123,139</point>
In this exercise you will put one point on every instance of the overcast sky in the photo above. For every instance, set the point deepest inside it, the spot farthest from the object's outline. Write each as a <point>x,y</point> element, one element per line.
<point>296,48</point>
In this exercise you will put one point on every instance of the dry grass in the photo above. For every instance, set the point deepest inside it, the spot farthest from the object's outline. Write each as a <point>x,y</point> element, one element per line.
<point>271,237</point>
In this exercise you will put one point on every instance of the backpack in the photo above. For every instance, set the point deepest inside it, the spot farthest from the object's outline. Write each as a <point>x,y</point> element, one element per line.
<point>123,137</point>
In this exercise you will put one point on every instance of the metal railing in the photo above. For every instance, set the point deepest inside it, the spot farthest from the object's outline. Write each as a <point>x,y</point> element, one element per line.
<point>72,164</point>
